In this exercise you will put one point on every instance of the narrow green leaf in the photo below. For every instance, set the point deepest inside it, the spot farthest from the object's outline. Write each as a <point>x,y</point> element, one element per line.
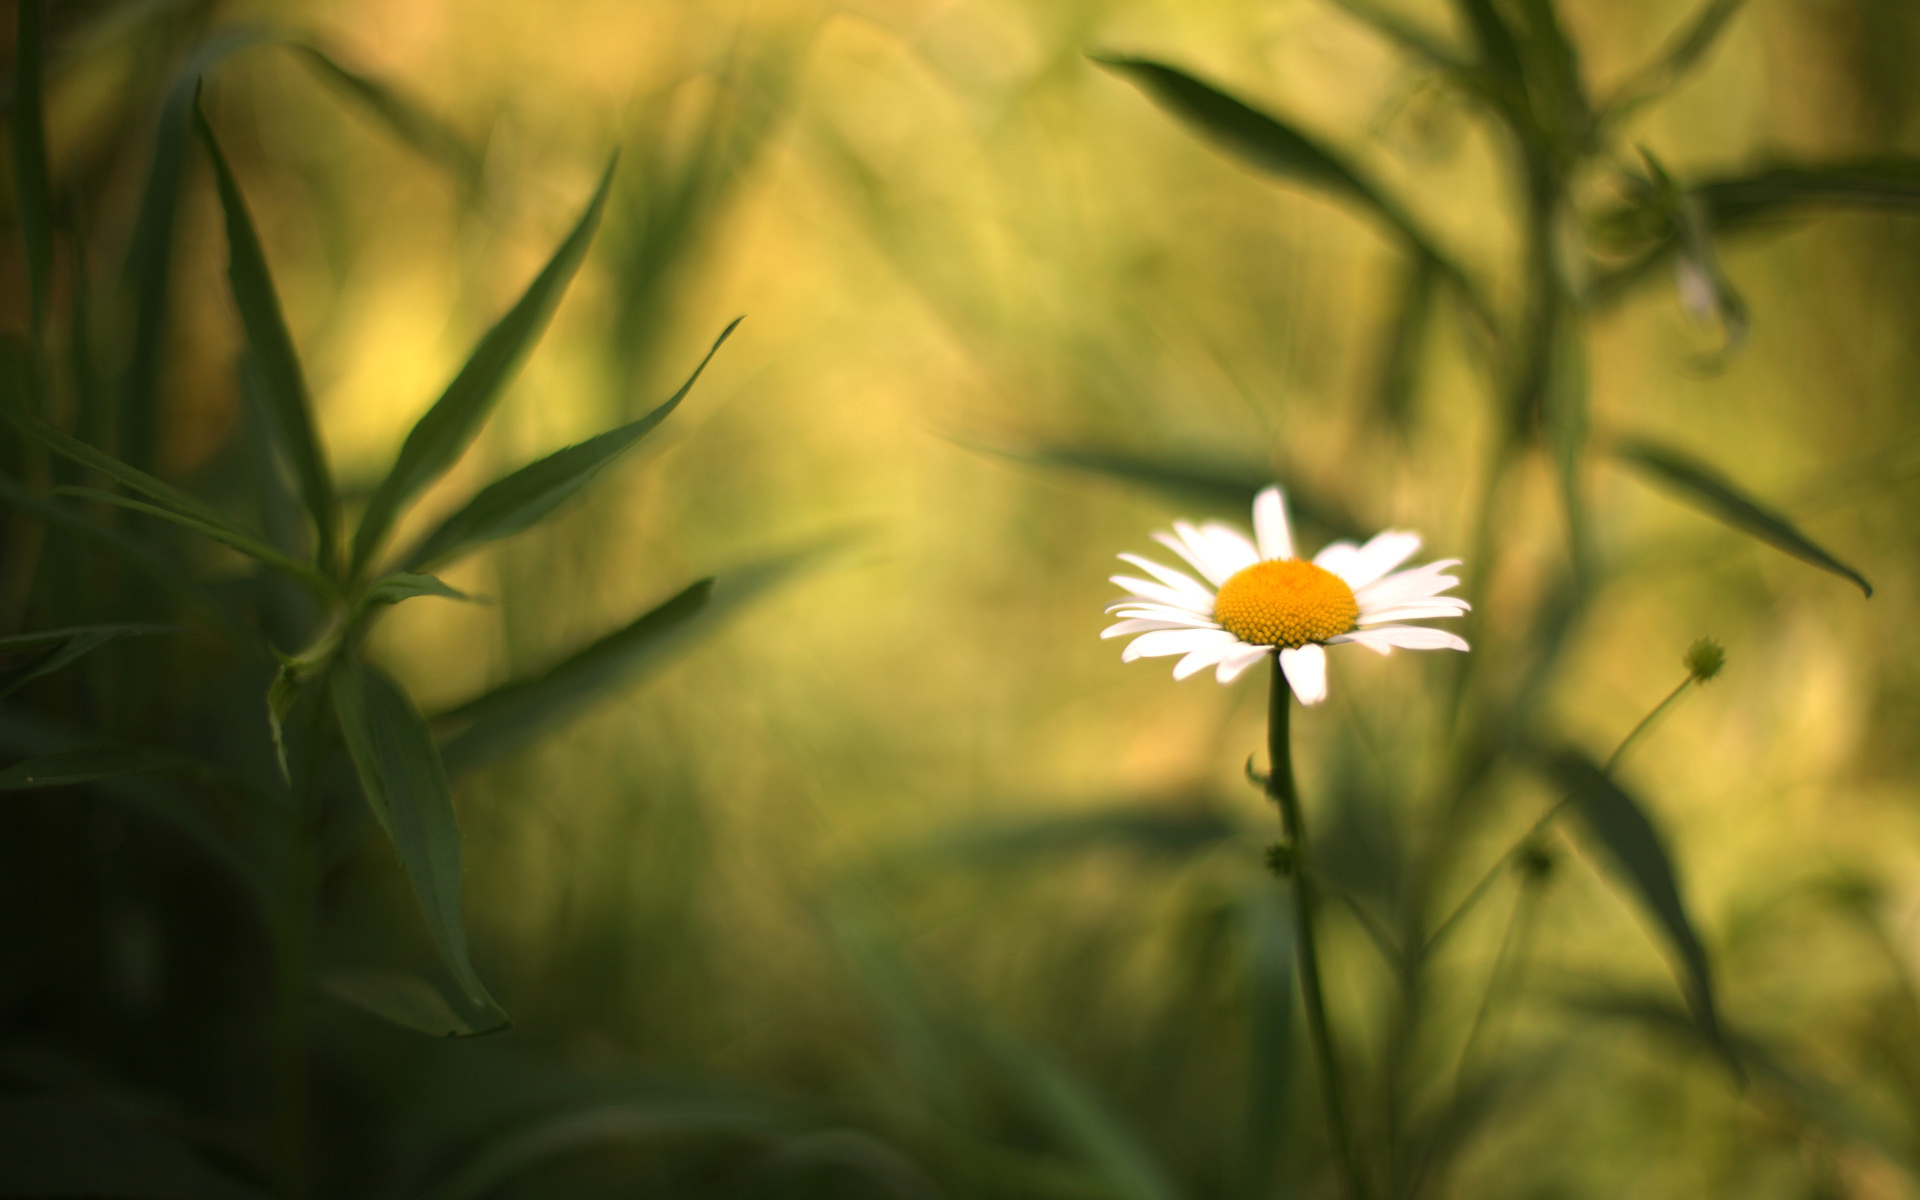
<point>87,456</point>
<point>283,385</point>
<point>440,436</point>
<point>32,180</point>
<point>149,265</point>
<point>1674,63</point>
<point>1267,931</point>
<point>1556,62</point>
<point>1174,831</point>
<point>64,646</point>
<point>509,505</point>
<point>1493,39</point>
<point>1407,35</point>
<point>1405,344</point>
<point>406,787</point>
<point>511,714</point>
<point>86,766</point>
<point>400,997</point>
<point>1713,493</point>
<point>1223,486</point>
<point>405,585</point>
<point>1622,826</point>
<point>426,133</point>
<point>215,530</point>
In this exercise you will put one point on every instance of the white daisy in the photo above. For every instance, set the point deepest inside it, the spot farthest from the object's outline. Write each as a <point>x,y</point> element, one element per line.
<point>1259,598</point>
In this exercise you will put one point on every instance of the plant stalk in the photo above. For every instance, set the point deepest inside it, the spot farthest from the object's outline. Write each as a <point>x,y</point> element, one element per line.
<point>1285,793</point>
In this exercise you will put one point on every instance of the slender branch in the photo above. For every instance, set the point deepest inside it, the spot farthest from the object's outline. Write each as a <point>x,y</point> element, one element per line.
<point>1285,793</point>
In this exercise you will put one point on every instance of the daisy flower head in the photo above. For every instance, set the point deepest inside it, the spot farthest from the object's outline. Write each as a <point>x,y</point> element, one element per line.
<point>1257,598</point>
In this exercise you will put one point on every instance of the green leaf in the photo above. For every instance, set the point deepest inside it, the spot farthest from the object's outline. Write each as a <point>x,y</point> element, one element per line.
<point>509,505</point>
<point>1174,831</point>
<point>283,385</point>
<point>1713,493</point>
<point>1405,343</point>
<point>445,431</point>
<point>217,530</point>
<point>1407,35</point>
<point>1622,826</point>
<point>426,133</point>
<point>86,766</point>
<point>1493,40</point>
<point>511,714</point>
<point>150,255</point>
<point>405,585</point>
<point>1556,74</point>
<point>63,646</point>
<point>32,180</point>
<point>406,786</point>
<point>400,997</point>
<point>1223,486</point>
<point>1267,928</point>
<point>1674,63</point>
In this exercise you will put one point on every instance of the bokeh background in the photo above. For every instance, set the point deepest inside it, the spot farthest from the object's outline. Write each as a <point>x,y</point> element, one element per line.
<point>896,881</point>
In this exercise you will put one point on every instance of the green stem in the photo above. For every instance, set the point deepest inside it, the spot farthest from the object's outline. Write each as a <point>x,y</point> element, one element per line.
<point>291,1048</point>
<point>1285,793</point>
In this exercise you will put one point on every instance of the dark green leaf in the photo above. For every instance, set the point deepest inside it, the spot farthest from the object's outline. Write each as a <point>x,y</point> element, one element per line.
<point>1173,831</point>
<point>1706,489</point>
<point>514,712</point>
<point>217,530</point>
<point>86,766</point>
<point>1409,36</point>
<point>1556,69</point>
<point>150,255</point>
<point>412,124</point>
<point>1222,486</point>
<point>32,180</point>
<point>1405,343</point>
<point>52,1145</point>
<point>63,646</point>
<point>400,997</point>
<point>1675,62</point>
<point>1267,928</point>
<point>510,505</point>
<point>404,585</point>
<point>283,385</point>
<point>406,787</point>
<point>444,432</point>
<point>1622,826</point>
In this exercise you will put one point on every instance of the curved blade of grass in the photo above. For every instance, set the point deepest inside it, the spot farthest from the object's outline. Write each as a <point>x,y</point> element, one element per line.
<point>405,585</point>
<point>1556,61</point>
<point>1406,35</point>
<point>150,254</point>
<point>401,997</point>
<point>87,766</point>
<point>406,786</point>
<point>65,646</point>
<point>1223,486</point>
<point>445,431</point>
<point>32,179</point>
<point>1622,826</point>
<point>221,532</point>
<point>516,711</point>
<point>1674,63</point>
<point>420,129</point>
<point>1713,493</point>
<point>283,385</point>
<point>509,505</point>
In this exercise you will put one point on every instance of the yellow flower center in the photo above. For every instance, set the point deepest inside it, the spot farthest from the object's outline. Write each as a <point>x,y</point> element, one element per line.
<point>1285,602</point>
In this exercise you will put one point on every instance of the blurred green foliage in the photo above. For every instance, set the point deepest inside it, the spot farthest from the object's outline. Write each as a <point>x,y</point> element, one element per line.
<point>750,744</point>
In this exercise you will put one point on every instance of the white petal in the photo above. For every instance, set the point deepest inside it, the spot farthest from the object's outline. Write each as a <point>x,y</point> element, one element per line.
<point>1270,524</point>
<point>1217,563</point>
<point>1359,637</point>
<point>1230,547</point>
<point>1204,657</point>
<point>1233,664</point>
<point>1416,583</point>
<point>1306,670</point>
<point>1139,625</point>
<point>1194,558</point>
<point>1419,610</point>
<point>1177,580</point>
<point>1381,554</point>
<point>1160,612</point>
<point>1408,637</point>
<point>1162,642</point>
<point>1158,593</point>
<point>1336,557</point>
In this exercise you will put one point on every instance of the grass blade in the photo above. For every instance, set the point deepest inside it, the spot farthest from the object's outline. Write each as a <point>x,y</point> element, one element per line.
<point>1706,489</point>
<point>445,431</point>
<point>64,646</point>
<point>283,384</point>
<point>32,179</point>
<point>509,505</point>
<point>1173,831</point>
<point>1674,63</point>
<point>86,766</point>
<point>426,133</point>
<point>405,585</point>
<point>215,530</point>
<point>1268,932</point>
<point>1622,826</point>
<point>1406,341</point>
<point>406,786</point>
<point>400,997</point>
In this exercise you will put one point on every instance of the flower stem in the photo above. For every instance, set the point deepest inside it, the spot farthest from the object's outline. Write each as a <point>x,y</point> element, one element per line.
<point>1285,793</point>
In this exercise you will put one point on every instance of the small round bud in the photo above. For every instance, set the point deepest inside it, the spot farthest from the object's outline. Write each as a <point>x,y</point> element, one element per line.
<point>1280,859</point>
<point>1704,659</point>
